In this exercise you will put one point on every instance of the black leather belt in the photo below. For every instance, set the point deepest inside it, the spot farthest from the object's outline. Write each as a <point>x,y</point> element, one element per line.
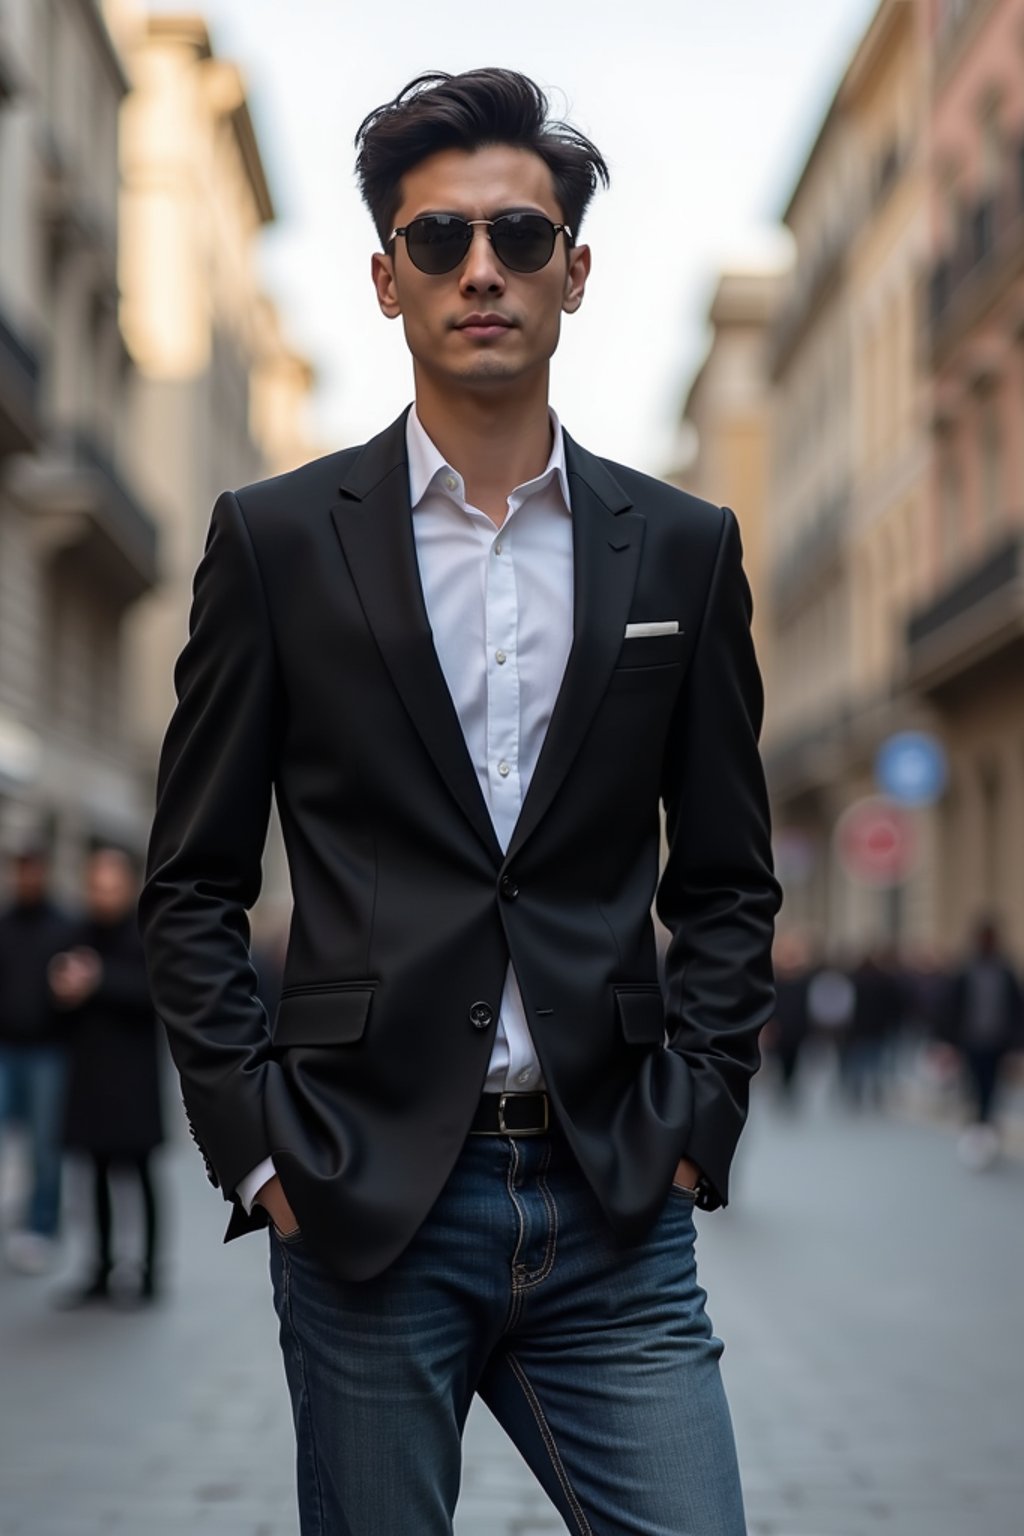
<point>512,1114</point>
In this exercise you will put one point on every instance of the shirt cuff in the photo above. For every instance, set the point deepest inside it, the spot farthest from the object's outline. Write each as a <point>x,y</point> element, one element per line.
<point>248,1188</point>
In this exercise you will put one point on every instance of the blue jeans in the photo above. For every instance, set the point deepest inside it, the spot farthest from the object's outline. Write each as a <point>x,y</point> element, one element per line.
<point>33,1079</point>
<point>598,1359</point>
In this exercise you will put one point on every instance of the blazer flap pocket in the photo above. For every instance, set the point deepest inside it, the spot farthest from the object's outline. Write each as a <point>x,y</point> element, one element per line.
<point>641,1014</point>
<point>327,1016</point>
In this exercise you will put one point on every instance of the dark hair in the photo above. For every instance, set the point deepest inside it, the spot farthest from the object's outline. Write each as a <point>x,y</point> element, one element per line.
<point>482,106</point>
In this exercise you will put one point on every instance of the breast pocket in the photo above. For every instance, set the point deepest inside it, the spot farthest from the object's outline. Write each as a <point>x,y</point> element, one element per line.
<point>652,651</point>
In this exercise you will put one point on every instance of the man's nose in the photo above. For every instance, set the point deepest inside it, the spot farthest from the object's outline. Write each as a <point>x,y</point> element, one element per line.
<point>481,269</point>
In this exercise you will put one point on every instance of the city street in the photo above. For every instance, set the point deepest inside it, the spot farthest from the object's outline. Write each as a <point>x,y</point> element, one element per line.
<point>868,1288</point>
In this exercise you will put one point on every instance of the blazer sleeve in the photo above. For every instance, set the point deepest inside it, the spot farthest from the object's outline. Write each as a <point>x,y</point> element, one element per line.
<point>718,895</point>
<point>206,846</point>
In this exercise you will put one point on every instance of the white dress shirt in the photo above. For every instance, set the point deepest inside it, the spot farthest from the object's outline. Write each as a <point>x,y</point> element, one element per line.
<point>500,606</point>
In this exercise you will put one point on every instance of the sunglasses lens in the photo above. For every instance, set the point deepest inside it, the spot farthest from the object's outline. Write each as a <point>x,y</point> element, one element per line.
<point>523,241</point>
<point>437,242</point>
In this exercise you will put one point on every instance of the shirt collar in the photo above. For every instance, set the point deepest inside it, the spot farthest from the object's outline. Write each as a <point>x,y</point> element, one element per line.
<point>428,470</point>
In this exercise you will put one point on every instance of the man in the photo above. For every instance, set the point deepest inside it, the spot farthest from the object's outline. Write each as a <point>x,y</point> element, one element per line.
<point>114,1116</point>
<point>985,1022</point>
<point>469,658</point>
<point>33,1061</point>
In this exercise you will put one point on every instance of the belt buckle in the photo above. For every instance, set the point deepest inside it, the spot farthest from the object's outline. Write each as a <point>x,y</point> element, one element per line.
<point>507,1130</point>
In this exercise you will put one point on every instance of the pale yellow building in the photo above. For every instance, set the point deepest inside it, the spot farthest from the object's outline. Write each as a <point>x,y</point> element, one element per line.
<point>884,98</point>
<point>965,637</point>
<point>78,546</point>
<point>808,574</point>
<point>220,398</point>
<point>726,419</point>
<point>894,519</point>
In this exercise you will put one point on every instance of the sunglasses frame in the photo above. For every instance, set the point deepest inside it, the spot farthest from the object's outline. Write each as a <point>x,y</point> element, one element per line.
<point>471,224</point>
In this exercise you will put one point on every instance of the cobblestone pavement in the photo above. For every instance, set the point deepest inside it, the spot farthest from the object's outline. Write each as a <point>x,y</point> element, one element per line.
<point>868,1288</point>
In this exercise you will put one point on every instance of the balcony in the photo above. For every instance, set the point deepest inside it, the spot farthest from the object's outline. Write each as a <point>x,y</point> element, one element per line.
<point>87,513</point>
<point>976,619</point>
<point>19,394</point>
<point>988,254</point>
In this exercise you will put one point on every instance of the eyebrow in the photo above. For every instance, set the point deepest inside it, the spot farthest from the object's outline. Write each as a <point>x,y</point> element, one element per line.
<point>453,213</point>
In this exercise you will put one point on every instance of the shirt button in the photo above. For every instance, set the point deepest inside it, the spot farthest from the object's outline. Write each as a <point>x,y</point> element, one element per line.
<point>500,658</point>
<point>497,546</point>
<point>524,1076</point>
<point>451,482</point>
<point>504,769</point>
<point>480,1015</point>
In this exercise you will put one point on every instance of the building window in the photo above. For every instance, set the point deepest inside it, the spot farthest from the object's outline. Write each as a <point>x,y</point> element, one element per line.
<point>951,14</point>
<point>951,510</point>
<point>991,450</point>
<point>992,148</point>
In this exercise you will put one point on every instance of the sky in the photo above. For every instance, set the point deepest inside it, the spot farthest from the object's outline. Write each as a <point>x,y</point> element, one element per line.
<point>704,109</point>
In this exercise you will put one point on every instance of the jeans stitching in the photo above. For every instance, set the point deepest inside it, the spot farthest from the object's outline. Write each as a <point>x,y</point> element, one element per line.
<point>552,1210</point>
<point>515,1299</point>
<point>582,1523</point>
<point>306,1399</point>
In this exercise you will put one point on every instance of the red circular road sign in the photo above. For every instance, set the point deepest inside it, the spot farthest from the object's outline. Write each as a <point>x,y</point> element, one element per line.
<point>876,841</point>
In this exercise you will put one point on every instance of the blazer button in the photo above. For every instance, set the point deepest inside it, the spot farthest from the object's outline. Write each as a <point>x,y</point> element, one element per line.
<point>480,1015</point>
<point>508,888</point>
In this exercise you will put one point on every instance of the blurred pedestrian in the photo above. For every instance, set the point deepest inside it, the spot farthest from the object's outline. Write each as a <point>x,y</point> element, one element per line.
<point>878,1006</point>
<point>113,1106</point>
<point>787,1033</point>
<point>471,659</point>
<point>33,1053</point>
<point>985,1022</point>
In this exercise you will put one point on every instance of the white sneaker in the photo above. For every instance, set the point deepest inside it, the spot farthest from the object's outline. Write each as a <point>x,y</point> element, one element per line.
<point>978,1147</point>
<point>29,1253</point>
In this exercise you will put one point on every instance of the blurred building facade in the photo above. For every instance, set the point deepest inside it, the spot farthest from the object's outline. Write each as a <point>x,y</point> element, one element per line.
<point>143,369</point>
<point>728,407</point>
<point>78,541</point>
<point>891,570</point>
<point>218,397</point>
<point>965,637</point>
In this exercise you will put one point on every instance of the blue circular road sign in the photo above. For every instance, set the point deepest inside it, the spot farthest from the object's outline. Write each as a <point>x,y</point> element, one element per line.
<point>911,767</point>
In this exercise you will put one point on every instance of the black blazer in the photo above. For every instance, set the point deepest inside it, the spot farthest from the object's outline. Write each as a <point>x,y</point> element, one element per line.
<point>310,671</point>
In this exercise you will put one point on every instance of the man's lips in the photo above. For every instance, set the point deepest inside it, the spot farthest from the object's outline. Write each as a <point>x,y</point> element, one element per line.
<point>484,325</point>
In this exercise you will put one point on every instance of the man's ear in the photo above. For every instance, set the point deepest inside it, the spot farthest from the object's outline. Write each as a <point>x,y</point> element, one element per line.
<point>576,278</point>
<point>382,270</point>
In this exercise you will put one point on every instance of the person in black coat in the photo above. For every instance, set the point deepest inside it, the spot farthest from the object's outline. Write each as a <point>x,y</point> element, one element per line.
<point>880,999</point>
<point>985,1021</point>
<point>787,1033</point>
<point>33,1065</point>
<point>113,1105</point>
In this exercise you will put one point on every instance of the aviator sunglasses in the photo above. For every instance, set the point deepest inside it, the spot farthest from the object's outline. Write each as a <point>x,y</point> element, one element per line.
<point>438,242</point>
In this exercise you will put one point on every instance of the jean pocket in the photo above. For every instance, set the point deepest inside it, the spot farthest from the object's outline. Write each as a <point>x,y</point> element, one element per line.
<point>684,1192</point>
<point>288,1238</point>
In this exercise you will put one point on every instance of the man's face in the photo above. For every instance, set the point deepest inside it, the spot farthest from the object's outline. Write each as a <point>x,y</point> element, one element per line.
<point>110,887</point>
<point>29,879</point>
<point>480,185</point>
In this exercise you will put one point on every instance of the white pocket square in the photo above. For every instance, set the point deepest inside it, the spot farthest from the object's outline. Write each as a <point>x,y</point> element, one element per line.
<point>659,627</point>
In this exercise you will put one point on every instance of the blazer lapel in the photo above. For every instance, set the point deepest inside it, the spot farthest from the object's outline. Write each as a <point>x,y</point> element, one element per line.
<point>374,524</point>
<point>607,539</point>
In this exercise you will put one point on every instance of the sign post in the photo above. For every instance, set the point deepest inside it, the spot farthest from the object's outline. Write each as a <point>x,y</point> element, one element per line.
<point>876,842</point>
